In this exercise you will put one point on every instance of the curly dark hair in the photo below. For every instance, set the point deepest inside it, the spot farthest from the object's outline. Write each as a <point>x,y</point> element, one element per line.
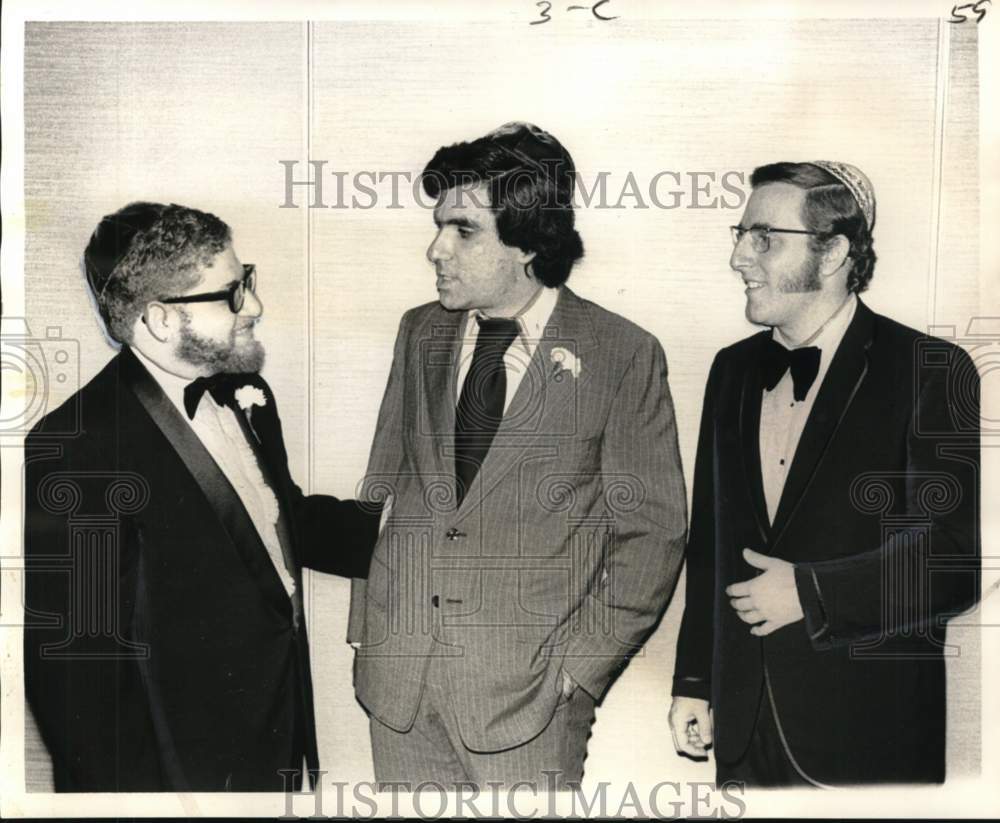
<point>145,252</point>
<point>530,177</point>
<point>829,209</point>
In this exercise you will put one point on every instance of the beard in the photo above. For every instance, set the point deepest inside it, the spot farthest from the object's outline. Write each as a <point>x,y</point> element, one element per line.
<point>229,357</point>
<point>805,280</point>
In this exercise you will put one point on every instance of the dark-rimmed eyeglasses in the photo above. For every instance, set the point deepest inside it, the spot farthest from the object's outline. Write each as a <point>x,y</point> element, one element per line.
<point>760,236</point>
<point>235,294</point>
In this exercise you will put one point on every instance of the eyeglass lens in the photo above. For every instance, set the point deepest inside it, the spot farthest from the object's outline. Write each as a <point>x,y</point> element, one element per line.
<point>238,294</point>
<point>760,239</point>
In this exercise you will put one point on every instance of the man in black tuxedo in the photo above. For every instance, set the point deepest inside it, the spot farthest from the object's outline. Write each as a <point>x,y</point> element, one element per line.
<point>835,511</point>
<point>165,644</point>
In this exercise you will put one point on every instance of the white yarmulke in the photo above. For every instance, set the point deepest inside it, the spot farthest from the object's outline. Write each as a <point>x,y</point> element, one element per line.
<point>857,184</point>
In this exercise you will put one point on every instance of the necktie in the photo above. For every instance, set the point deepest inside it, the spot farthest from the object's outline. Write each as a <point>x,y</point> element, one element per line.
<point>776,360</point>
<point>481,404</point>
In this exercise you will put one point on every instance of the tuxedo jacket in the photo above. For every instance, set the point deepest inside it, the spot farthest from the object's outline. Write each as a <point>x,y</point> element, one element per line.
<point>880,515</point>
<point>162,652</point>
<point>565,548</point>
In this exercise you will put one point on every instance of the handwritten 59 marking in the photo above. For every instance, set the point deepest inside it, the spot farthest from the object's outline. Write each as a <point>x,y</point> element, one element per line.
<point>964,18</point>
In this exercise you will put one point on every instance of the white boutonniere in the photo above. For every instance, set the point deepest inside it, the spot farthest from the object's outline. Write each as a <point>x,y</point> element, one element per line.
<point>248,396</point>
<point>564,359</point>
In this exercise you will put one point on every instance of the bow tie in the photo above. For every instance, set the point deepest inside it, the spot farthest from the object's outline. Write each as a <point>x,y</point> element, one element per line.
<point>775,360</point>
<point>222,387</point>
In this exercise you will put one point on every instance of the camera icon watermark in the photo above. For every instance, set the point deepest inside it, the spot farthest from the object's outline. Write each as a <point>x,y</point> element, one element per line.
<point>35,370</point>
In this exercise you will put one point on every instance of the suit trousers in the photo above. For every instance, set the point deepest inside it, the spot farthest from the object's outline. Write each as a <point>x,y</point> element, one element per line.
<point>432,750</point>
<point>766,763</point>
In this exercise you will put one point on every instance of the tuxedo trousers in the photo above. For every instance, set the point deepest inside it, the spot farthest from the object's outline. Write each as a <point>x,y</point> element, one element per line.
<point>766,762</point>
<point>431,751</point>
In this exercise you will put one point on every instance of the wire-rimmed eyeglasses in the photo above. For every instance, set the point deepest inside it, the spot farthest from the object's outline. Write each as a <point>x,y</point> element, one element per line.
<point>760,236</point>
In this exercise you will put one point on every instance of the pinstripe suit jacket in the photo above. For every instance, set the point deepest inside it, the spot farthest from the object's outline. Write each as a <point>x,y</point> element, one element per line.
<point>562,554</point>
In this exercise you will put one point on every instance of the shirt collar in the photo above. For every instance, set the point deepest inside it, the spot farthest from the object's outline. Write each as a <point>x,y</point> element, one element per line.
<point>531,321</point>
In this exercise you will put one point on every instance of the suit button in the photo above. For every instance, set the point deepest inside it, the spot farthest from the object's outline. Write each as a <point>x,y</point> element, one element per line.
<point>454,534</point>
<point>435,601</point>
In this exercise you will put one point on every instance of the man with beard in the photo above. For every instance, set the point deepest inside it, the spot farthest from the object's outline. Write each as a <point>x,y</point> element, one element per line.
<point>835,511</point>
<point>165,645</point>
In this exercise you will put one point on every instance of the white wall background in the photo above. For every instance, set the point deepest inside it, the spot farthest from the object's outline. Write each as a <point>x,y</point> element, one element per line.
<point>201,113</point>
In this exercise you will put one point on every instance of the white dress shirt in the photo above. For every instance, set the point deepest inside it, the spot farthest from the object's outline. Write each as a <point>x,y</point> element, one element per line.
<point>531,326</point>
<point>222,436</point>
<point>782,419</point>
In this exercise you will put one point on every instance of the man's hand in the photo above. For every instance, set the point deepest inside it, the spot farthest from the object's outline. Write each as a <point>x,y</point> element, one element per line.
<point>691,726</point>
<point>770,600</point>
<point>568,685</point>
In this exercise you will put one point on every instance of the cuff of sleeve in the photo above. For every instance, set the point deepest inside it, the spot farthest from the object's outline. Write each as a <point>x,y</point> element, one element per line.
<point>699,687</point>
<point>592,674</point>
<point>356,611</point>
<point>359,533</point>
<point>813,609</point>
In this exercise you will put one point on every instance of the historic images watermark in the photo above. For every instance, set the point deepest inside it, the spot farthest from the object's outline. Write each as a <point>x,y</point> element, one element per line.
<point>524,800</point>
<point>315,186</point>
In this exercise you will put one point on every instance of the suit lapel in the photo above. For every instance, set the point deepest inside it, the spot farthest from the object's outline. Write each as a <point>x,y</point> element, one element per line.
<point>749,428</point>
<point>217,490</point>
<point>547,384</point>
<point>438,362</point>
<point>843,379</point>
<point>262,428</point>
<point>542,397</point>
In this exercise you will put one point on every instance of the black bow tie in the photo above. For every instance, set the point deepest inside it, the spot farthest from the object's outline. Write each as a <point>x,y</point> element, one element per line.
<point>775,360</point>
<point>222,387</point>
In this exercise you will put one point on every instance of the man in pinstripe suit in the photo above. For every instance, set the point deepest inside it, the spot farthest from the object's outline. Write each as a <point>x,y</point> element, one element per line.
<point>527,439</point>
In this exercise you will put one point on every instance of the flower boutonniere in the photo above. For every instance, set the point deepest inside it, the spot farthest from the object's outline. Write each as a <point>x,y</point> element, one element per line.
<point>565,360</point>
<point>249,396</point>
